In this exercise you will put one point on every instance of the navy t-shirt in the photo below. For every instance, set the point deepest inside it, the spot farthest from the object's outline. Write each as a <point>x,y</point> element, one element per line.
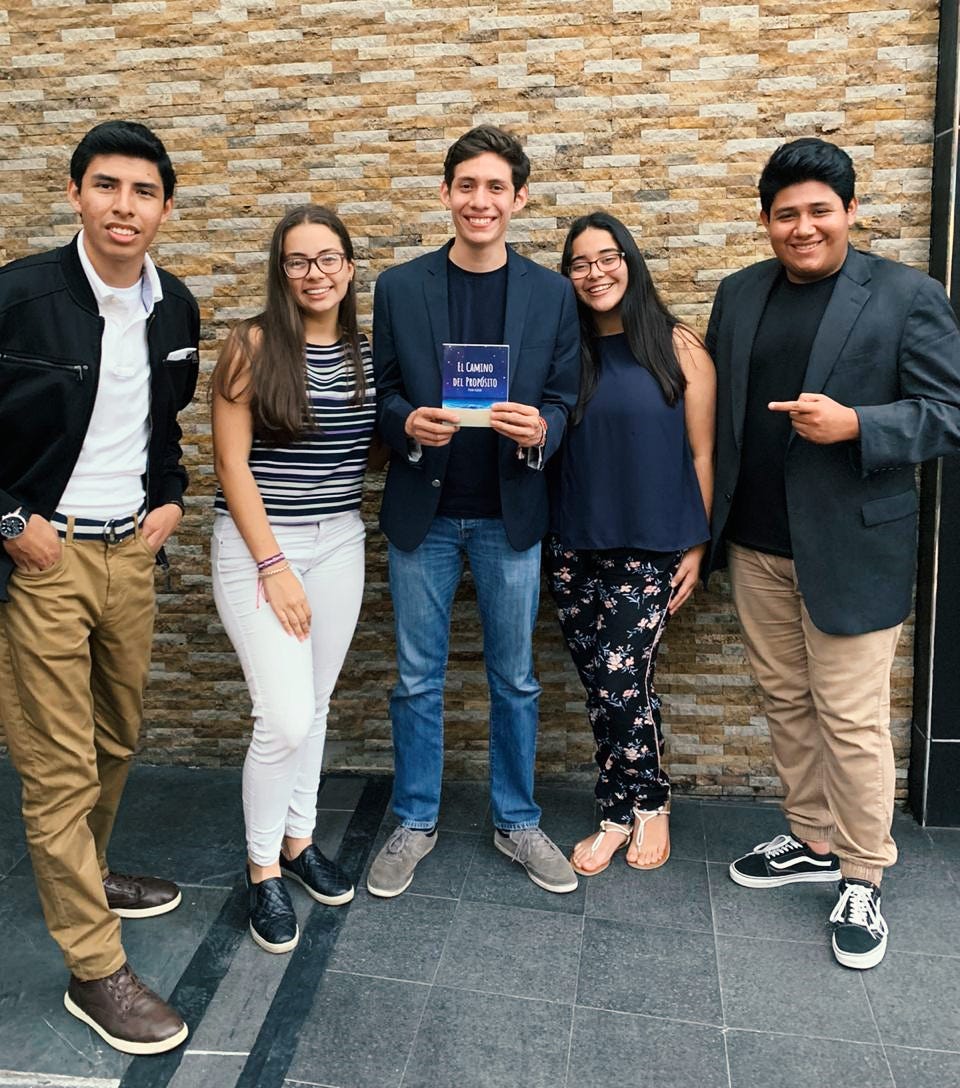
<point>626,477</point>
<point>477,304</point>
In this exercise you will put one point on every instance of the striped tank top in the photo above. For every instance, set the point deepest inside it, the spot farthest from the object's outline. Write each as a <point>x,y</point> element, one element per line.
<point>321,473</point>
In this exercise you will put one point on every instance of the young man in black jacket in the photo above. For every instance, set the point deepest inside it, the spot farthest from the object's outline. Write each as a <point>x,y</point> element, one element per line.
<point>98,354</point>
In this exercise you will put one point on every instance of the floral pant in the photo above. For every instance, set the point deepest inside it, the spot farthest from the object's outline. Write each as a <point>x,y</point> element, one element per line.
<point>612,607</point>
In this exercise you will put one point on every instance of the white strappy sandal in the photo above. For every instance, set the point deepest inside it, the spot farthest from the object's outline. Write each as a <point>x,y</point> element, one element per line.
<point>605,825</point>
<point>641,819</point>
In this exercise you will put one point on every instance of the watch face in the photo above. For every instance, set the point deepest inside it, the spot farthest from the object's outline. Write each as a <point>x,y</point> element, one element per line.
<point>12,525</point>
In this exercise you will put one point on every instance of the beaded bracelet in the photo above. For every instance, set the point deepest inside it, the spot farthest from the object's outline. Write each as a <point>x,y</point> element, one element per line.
<point>273,570</point>
<point>271,561</point>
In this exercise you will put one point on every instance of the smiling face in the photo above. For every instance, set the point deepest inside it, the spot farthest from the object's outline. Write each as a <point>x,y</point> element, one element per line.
<point>602,291</point>
<point>318,294</point>
<point>120,203</point>
<point>481,199</point>
<point>809,230</point>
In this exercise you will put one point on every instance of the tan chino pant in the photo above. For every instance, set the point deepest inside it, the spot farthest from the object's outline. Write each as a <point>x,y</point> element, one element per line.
<point>74,656</point>
<point>827,701</point>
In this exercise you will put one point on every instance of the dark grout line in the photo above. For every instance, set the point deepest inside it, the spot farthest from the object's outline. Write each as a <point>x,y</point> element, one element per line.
<point>196,989</point>
<point>279,1033</point>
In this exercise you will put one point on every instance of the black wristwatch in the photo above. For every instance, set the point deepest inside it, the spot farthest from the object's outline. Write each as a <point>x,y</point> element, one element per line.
<point>14,523</point>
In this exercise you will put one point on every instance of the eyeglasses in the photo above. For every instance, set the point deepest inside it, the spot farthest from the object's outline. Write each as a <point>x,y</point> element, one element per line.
<point>295,268</point>
<point>608,262</point>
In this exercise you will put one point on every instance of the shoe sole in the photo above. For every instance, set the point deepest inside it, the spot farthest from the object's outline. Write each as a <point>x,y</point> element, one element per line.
<point>125,1046</point>
<point>859,961</point>
<point>277,949</point>
<point>328,900</point>
<point>557,889</point>
<point>828,876</point>
<point>148,912</point>
<point>382,893</point>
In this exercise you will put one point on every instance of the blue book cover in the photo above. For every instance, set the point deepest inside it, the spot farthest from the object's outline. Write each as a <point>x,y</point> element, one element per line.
<point>475,376</point>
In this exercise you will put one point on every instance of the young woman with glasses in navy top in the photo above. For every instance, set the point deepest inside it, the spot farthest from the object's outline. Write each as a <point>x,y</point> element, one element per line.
<point>631,495</point>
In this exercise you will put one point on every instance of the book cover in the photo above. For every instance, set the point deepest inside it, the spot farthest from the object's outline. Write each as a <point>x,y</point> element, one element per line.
<point>475,376</point>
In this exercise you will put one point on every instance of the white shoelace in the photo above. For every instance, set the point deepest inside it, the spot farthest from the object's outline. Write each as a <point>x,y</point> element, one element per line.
<point>861,908</point>
<point>780,845</point>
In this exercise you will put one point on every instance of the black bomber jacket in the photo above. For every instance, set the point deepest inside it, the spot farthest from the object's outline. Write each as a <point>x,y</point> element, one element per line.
<point>50,336</point>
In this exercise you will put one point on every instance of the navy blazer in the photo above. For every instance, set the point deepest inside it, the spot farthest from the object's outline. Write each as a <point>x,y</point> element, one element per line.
<point>410,326</point>
<point>889,347</point>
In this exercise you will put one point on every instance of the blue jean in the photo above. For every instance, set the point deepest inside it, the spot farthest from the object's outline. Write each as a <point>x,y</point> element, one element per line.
<point>423,583</point>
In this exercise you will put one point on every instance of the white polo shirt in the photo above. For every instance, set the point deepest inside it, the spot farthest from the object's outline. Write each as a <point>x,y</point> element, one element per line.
<point>107,481</point>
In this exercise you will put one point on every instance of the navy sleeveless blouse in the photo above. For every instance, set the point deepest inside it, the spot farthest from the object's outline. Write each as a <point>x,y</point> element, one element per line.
<point>625,477</point>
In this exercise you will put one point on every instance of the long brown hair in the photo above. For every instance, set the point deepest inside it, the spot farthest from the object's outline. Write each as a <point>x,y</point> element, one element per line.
<point>270,346</point>
<point>647,322</point>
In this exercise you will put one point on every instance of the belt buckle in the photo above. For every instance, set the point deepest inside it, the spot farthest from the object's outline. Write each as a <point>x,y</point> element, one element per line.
<point>110,533</point>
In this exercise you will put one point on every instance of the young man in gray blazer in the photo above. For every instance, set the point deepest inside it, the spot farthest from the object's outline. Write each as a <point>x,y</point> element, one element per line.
<point>838,371</point>
<point>476,492</point>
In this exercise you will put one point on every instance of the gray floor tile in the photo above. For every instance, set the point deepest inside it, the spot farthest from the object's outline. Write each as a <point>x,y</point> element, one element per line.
<point>923,1068</point>
<point>946,844</point>
<point>687,837</point>
<point>13,846</point>
<point>757,1061</point>
<point>796,912</point>
<point>914,844</point>
<point>182,823</point>
<point>769,985</point>
<point>443,871</point>
<point>242,1000</point>
<point>567,815</point>
<point>340,791</point>
<point>36,1033</point>
<point>916,1000</point>
<point>511,950</point>
<point>464,806</point>
<point>330,829</point>
<point>398,938</point>
<point>676,895</point>
<point>921,905</point>
<point>470,1040</point>
<point>734,830</point>
<point>358,1032</point>
<point>670,973</point>
<point>615,1049</point>
<point>495,878</point>
<point>208,1071</point>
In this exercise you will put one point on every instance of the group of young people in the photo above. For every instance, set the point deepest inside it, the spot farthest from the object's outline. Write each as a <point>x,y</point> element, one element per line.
<point>793,427</point>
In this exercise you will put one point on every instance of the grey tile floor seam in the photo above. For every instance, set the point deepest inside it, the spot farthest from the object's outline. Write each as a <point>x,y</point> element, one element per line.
<point>477,978</point>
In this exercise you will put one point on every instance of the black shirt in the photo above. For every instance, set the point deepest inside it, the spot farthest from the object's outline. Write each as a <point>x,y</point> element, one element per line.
<point>778,361</point>
<point>477,304</point>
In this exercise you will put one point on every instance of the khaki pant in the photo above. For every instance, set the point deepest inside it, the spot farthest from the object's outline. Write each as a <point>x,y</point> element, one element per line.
<point>74,655</point>
<point>827,701</point>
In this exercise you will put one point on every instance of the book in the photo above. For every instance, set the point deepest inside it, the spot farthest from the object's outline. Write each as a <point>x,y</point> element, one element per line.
<point>475,376</point>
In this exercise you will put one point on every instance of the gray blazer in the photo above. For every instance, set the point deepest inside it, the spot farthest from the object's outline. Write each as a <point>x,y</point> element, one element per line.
<point>889,347</point>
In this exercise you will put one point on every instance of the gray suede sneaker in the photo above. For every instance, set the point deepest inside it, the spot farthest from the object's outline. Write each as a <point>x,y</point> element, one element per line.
<point>392,869</point>
<point>543,861</point>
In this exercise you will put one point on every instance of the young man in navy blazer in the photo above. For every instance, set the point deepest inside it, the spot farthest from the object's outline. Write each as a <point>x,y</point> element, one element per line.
<point>837,372</point>
<point>475,492</point>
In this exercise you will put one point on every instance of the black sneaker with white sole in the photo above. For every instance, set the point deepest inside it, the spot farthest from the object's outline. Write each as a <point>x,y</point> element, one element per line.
<point>784,860</point>
<point>859,930</point>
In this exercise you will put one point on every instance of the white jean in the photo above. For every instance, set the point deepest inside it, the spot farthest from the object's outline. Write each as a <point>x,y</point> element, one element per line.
<point>290,682</point>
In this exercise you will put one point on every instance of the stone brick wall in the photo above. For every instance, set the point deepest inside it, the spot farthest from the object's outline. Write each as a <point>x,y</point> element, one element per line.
<point>660,110</point>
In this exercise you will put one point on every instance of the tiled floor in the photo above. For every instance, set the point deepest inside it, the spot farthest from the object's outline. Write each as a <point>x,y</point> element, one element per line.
<point>475,978</point>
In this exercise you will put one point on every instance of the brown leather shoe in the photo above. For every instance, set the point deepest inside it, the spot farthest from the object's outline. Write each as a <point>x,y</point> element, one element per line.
<point>140,896</point>
<point>126,1014</point>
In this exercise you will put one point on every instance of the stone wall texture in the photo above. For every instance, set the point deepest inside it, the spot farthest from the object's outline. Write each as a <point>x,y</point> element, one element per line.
<point>662,111</point>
